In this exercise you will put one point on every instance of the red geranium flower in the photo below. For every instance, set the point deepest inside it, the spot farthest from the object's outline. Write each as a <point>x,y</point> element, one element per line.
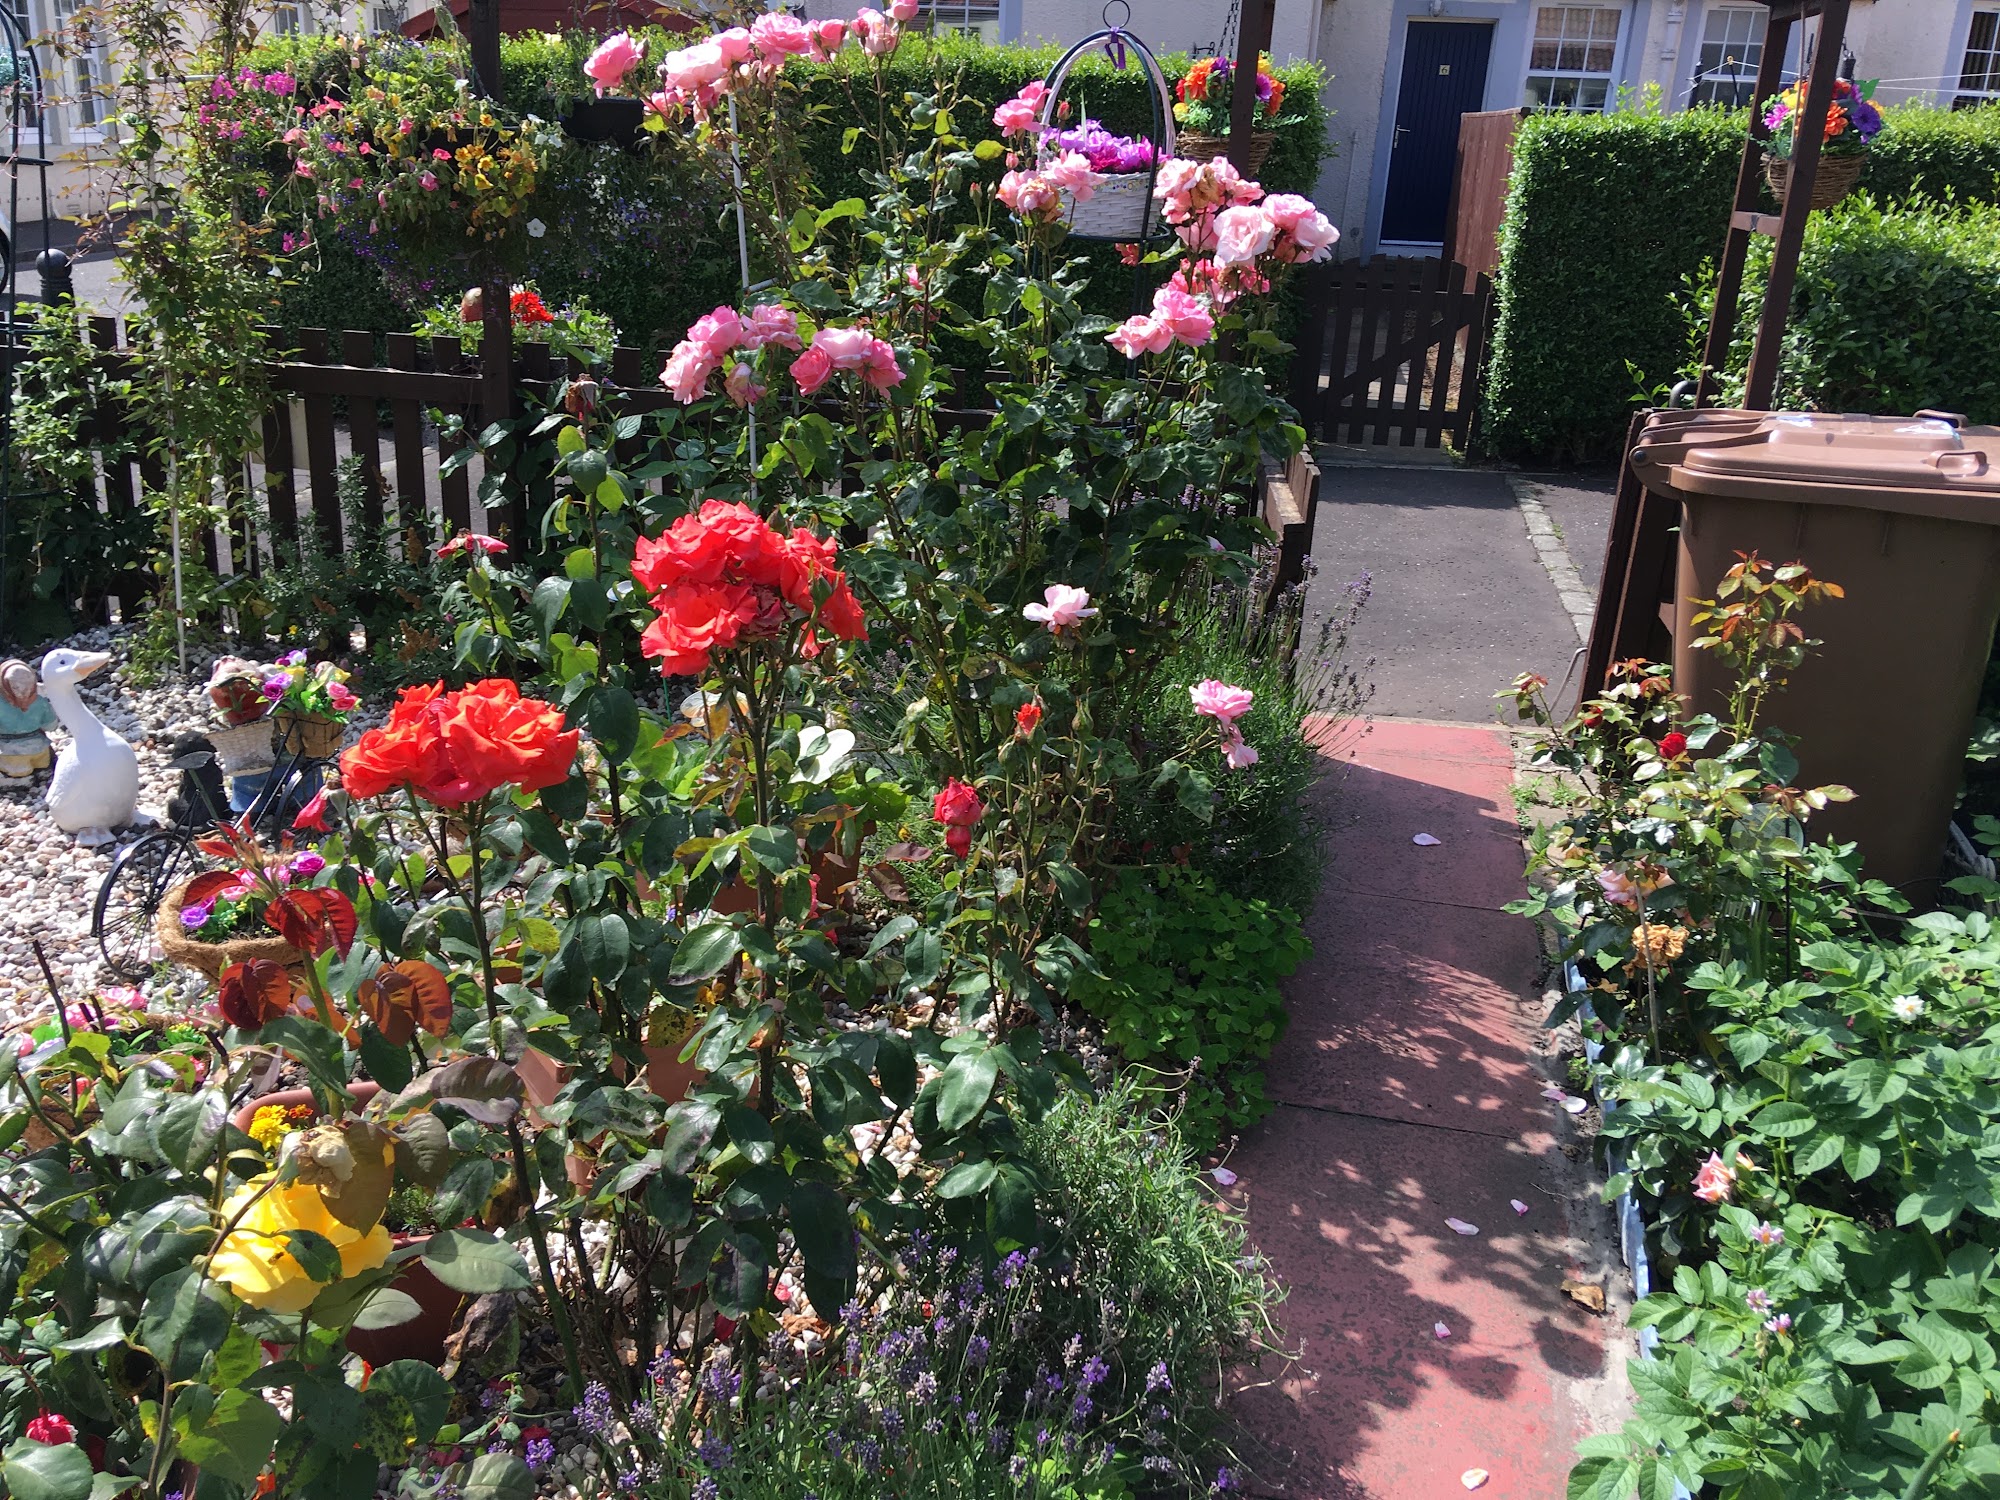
<point>473,541</point>
<point>49,1427</point>
<point>453,748</point>
<point>1673,744</point>
<point>958,807</point>
<point>528,307</point>
<point>722,577</point>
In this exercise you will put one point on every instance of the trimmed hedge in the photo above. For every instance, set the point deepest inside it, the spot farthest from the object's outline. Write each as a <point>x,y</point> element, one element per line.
<point>649,239</point>
<point>1610,217</point>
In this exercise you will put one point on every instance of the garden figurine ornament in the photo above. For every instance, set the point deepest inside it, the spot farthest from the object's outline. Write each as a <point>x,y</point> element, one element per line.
<point>96,784</point>
<point>25,716</point>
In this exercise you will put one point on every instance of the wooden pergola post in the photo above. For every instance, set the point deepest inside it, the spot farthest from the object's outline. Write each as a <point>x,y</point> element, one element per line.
<point>1253,40</point>
<point>496,336</point>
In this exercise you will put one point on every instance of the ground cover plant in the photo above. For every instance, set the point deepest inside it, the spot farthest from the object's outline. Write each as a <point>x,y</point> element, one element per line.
<point>1804,1094</point>
<point>691,969</point>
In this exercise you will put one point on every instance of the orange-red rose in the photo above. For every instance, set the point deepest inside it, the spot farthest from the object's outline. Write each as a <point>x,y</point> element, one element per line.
<point>723,576</point>
<point>456,747</point>
<point>957,807</point>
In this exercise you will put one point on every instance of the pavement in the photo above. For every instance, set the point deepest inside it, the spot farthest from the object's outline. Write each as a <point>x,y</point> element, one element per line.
<point>1408,1087</point>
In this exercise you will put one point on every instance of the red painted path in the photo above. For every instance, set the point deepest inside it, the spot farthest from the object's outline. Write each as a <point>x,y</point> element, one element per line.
<point>1409,1092</point>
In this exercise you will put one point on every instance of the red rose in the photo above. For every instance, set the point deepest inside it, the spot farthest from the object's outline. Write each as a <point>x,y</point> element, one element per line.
<point>453,748</point>
<point>50,1428</point>
<point>1026,720</point>
<point>958,807</point>
<point>1673,744</point>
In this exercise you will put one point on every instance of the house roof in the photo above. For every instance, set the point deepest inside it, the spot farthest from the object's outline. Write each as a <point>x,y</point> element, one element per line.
<point>559,15</point>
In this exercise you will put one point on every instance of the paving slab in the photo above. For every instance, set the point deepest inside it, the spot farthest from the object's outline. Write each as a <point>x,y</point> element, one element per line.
<point>1580,503</point>
<point>1408,1091</point>
<point>1460,603</point>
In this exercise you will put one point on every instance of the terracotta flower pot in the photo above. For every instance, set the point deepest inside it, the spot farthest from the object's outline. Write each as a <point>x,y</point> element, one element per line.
<point>544,1077</point>
<point>212,958</point>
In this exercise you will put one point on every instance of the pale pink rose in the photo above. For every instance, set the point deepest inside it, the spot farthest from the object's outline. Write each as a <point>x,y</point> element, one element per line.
<point>1031,196</point>
<point>1015,117</point>
<point>616,56</point>
<point>846,348</point>
<point>1289,210</point>
<point>1198,234</point>
<point>770,323</point>
<point>1182,315</point>
<point>1221,700</point>
<point>717,333</point>
<point>779,35</point>
<point>1241,235</point>
<point>688,69</point>
<point>734,45</point>
<point>1714,1182</point>
<point>1071,173</point>
<point>879,35</point>
<point>879,369</point>
<point>1304,233</point>
<point>1063,607</point>
<point>903,11</point>
<point>1173,185</point>
<point>740,385</point>
<point>812,369</point>
<point>687,372</point>
<point>827,36</point>
<point>1139,335</point>
<point>1619,888</point>
<point>1230,185</point>
<point>1240,754</point>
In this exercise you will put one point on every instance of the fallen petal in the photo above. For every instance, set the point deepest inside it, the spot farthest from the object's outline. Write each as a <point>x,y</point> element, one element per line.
<point>1441,1330</point>
<point>1519,1206</point>
<point>1426,841</point>
<point>1576,1106</point>
<point>1555,1094</point>
<point>1472,1479</point>
<point>1461,1227</point>
<point>1224,1176</point>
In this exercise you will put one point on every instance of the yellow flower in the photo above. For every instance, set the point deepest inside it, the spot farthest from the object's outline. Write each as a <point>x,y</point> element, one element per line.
<point>271,1124</point>
<point>252,1260</point>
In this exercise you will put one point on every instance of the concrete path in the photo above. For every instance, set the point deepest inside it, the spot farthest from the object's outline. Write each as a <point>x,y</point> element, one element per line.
<point>1409,1084</point>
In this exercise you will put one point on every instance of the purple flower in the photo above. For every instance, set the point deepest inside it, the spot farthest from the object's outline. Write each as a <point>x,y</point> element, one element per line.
<point>292,659</point>
<point>1094,1370</point>
<point>274,687</point>
<point>1157,1378</point>
<point>194,918</point>
<point>307,864</point>
<point>1768,1235</point>
<point>925,1390</point>
<point>1224,1482</point>
<point>1867,118</point>
<point>1757,1299</point>
<point>714,1453</point>
<point>593,1413</point>
<point>541,1452</point>
<point>1780,1324</point>
<point>977,1349</point>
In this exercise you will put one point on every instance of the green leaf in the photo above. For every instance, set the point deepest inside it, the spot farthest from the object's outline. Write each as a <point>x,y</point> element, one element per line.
<point>468,1261</point>
<point>613,720</point>
<point>236,1437</point>
<point>188,1129</point>
<point>965,1087</point>
<point>704,951</point>
<point>498,1476</point>
<point>427,1393</point>
<point>386,1308</point>
<point>824,1233</point>
<point>46,1471</point>
<point>1784,1120</point>
<point>314,1253</point>
<point>183,1322</point>
<point>896,1068</point>
<point>775,847</point>
<point>966,1179</point>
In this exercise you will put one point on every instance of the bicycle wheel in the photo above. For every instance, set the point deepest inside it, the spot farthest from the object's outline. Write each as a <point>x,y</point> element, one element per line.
<point>129,900</point>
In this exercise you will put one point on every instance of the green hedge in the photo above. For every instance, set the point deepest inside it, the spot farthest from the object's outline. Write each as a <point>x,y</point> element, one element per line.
<point>1609,217</point>
<point>1895,311</point>
<point>649,239</point>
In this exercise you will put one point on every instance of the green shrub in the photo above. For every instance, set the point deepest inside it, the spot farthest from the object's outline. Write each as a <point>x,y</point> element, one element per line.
<point>1608,217</point>
<point>1893,311</point>
<point>1187,972</point>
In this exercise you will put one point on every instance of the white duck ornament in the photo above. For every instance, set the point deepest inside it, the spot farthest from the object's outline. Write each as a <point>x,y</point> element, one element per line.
<point>96,784</point>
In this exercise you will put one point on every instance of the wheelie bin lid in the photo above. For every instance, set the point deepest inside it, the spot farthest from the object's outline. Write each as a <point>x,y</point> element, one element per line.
<point>1929,464</point>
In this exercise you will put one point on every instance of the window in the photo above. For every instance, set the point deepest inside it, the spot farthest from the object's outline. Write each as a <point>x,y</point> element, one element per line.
<point>980,18</point>
<point>1732,47</point>
<point>1570,64</point>
<point>385,19</point>
<point>1979,79</point>
<point>82,68</point>
<point>286,20</point>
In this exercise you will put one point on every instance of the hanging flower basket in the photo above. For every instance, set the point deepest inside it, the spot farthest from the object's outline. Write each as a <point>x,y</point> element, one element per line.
<point>1121,206</point>
<point>1195,146</point>
<point>1834,180</point>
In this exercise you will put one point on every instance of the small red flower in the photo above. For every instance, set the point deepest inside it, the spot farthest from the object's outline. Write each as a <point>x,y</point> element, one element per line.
<point>1129,254</point>
<point>528,307</point>
<point>1029,717</point>
<point>958,807</point>
<point>48,1427</point>
<point>1673,744</point>
<point>312,817</point>
<point>473,541</point>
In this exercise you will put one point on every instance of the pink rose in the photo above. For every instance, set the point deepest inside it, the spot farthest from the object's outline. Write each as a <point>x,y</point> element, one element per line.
<point>1714,1182</point>
<point>847,348</point>
<point>879,369</point>
<point>687,372</point>
<point>1173,185</point>
<point>903,11</point>
<point>740,385</point>
<point>779,35</point>
<point>341,696</point>
<point>1139,335</point>
<point>879,35</point>
<point>1221,700</point>
<point>1071,173</point>
<point>1063,607</point>
<point>770,323</point>
<point>691,67</point>
<point>1241,235</point>
<point>734,45</point>
<point>1240,755</point>
<point>615,57</point>
<point>827,36</point>
<point>1182,315</point>
<point>1015,117</point>
<point>716,333</point>
<point>307,864</point>
<point>1304,233</point>
<point>1031,196</point>
<point>812,369</point>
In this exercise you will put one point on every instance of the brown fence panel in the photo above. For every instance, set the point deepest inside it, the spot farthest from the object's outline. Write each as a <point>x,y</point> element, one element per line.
<point>1479,187</point>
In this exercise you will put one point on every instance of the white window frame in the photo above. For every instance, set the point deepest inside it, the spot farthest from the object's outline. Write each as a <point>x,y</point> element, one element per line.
<point>1742,76</point>
<point>1964,97</point>
<point>82,77</point>
<point>295,10</point>
<point>979,18</point>
<point>1618,46</point>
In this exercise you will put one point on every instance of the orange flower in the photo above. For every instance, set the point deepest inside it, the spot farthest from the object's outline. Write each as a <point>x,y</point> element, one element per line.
<point>1836,121</point>
<point>453,748</point>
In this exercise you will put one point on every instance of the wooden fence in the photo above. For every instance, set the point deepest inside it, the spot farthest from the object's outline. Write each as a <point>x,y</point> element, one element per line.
<point>1391,352</point>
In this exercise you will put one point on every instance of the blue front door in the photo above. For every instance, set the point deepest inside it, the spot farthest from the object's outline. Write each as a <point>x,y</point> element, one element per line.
<point>1444,76</point>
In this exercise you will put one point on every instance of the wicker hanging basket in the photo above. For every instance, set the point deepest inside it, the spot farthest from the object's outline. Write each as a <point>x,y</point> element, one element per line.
<point>1196,146</point>
<point>313,735</point>
<point>212,958</point>
<point>1834,180</point>
<point>1122,207</point>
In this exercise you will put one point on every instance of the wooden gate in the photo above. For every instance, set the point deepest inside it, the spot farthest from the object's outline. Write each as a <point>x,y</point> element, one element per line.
<point>1391,352</point>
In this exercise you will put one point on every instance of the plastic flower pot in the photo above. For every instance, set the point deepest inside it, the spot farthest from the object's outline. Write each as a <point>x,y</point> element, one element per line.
<point>212,958</point>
